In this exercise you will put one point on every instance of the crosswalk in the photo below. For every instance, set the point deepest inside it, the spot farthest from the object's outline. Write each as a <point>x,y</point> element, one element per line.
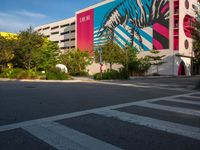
<point>62,137</point>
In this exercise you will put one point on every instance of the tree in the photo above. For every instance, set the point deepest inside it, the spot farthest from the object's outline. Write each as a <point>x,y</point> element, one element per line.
<point>196,37</point>
<point>29,44</point>
<point>76,61</point>
<point>6,50</point>
<point>47,57</point>
<point>34,51</point>
<point>156,59</point>
<point>111,53</point>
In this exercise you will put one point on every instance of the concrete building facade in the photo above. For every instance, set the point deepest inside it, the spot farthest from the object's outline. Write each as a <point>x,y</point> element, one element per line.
<point>163,25</point>
<point>61,32</point>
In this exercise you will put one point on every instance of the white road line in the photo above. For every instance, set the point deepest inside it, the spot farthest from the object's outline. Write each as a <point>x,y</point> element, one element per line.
<point>183,101</point>
<point>175,128</point>
<point>38,121</point>
<point>170,108</point>
<point>78,137</point>
<point>80,113</point>
<point>195,97</point>
<point>141,86</point>
<point>53,139</point>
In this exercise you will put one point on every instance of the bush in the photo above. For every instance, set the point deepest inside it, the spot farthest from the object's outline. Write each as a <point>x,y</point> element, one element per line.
<point>81,73</point>
<point>155,74</point>
<point>111,75</point>
<point>139,67</point>
<point>17,73</point>
<point>27,74</point>
<point>56,74</point>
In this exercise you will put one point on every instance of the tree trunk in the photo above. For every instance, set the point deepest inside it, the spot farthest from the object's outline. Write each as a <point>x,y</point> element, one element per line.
<point>110,66</point>
<point>157,70</point>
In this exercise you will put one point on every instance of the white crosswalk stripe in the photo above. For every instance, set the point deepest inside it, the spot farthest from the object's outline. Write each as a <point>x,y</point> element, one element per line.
<point>184,101</point>
<point>167,126</point>
<point>64,138</point>
<point>170,108</point>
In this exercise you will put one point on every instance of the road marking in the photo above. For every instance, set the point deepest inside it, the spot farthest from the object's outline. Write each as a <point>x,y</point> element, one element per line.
<point>143,86</point>
<point>63,138</point>
<point>85,112</point>
<point>194,97</point>
<point>170,108</point>
<point>183,101</point>
<point>53,139</point>
<point>166,126</point>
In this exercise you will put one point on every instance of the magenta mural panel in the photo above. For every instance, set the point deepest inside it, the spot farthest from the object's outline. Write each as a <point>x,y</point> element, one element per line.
<point>85,31</point>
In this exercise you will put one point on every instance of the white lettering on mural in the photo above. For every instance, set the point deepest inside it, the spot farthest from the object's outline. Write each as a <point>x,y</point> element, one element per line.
<point>84,19</point>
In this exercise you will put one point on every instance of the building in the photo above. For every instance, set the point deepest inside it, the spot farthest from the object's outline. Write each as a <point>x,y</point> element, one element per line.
<point>61,32</point>
<point>163,25</point>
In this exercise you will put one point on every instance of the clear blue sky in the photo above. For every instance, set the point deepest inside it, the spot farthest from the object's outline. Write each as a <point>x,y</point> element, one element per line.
<point>16,15</point>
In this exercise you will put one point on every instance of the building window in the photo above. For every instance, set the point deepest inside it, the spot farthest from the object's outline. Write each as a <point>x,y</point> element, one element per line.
<point>47,36</point>
<point>53,33</point>
<point>72,46</point>
<point>66,40</point>
<point>73,23</point>
<point>56,42</point>
<point>72,31</point>
<point>73,39</point>
<point>54,27</point>
<point>65,47</point>
<point>64,25</point>
<point>64,33</point>
<point>46,28</point>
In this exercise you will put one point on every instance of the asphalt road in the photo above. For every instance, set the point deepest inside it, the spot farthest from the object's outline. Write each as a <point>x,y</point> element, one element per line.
<point>89,115</point>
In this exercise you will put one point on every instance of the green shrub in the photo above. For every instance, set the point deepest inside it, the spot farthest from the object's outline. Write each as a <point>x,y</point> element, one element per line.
<point>139,67</point>
<point>155,74</point>
<point>56,74</point>
<point>81,73</point>
<point>17,73</point>
<point>111,75</point>
<point>27,74</point>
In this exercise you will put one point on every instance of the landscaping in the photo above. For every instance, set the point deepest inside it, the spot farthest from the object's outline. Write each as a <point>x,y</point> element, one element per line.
<point>30,55</point>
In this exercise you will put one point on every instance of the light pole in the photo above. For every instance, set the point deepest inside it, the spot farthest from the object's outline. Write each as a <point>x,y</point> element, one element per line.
<point>100,60</point>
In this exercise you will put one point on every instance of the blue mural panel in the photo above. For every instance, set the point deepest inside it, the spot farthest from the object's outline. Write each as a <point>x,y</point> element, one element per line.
<point>133,22</point>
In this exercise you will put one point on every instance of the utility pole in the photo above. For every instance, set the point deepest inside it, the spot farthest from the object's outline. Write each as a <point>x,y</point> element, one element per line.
<point>100,61</point>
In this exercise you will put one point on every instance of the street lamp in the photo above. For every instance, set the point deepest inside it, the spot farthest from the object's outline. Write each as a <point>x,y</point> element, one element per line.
<point>100,60</point>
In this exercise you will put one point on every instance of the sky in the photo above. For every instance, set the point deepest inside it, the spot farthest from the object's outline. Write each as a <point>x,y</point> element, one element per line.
<point>18,15</point>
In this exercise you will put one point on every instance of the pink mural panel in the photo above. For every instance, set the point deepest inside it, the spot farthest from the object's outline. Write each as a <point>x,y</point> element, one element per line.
<point>85,31</point>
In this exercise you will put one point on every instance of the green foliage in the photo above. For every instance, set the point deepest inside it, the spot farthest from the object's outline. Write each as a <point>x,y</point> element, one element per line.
<point>18,73</point>
<point>47,57</point>
<point>56,74</point>
<point>155,58</point>
<point>111,75</point>
<point>76,61</point>
<point>129,55</point>
<point>28,45</point>
<point>6,50</point>
<point>196,36</point>
<point>139,66</point>
<point>33,51</point>
<point>111,53</point>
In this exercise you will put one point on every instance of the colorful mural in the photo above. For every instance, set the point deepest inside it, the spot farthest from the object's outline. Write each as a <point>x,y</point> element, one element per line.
<point>140,23</point>
<point>85,30</point>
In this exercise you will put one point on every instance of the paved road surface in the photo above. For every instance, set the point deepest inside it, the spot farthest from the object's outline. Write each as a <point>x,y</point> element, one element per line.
<point>107,115</point>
